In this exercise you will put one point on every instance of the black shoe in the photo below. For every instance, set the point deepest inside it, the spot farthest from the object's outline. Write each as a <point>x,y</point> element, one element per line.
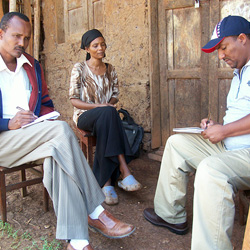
<point>152,217</point>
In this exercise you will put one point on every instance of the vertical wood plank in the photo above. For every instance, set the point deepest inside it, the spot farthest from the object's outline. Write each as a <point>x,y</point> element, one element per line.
<point>91,14</point>
<point>154,75</point>
<point>66,20</point>
<point>205,36</point>
<point>1,11</point>
<point>172,106</point>
<point>98,15</point>
<point>27,11</point>
<point>36,29</point>
<point>12,5</point>
<point>163,59</point>
<point>60,34</point>
<point>213,63</point>
<point>170,39</point>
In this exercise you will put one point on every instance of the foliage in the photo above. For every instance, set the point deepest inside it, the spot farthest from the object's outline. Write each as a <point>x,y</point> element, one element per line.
<point>6,230</point>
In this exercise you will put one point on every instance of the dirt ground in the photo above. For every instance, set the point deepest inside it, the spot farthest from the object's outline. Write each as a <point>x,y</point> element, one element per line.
<point>27,215</point>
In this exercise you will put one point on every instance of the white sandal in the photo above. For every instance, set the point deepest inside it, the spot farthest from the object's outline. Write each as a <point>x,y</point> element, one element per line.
<point>111,197</point>
<point>129,184</point>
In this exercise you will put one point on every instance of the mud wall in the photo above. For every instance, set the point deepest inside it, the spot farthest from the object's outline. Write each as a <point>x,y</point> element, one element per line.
<point>125,28</point>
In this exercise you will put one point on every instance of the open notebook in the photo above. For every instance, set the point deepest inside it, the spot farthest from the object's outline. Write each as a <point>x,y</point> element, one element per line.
<point>191,130</point>
<point>50,116</point>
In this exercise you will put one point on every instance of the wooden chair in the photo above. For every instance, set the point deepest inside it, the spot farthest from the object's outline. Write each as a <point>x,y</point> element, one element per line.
<point>246,240</point>
<point>244,202</point>
<point>87,143</point>
<point>22,184</point>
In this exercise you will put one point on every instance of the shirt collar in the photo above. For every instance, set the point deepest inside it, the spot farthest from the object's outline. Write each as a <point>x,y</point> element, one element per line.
<point>20,62</point>
<point>237,71</point>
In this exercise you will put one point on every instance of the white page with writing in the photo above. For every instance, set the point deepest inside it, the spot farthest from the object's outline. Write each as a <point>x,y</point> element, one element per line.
<point>50,116</point>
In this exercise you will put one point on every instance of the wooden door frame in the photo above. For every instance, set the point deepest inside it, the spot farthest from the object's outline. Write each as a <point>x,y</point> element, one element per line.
<point>154,75</point>
<point>154,69</point>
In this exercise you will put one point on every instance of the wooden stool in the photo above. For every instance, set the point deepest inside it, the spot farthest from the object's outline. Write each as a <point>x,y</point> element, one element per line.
<point>22,184</point>
<point>87,143</point>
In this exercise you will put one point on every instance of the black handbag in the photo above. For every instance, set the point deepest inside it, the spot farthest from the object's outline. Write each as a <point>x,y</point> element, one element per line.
<point>133,131</point>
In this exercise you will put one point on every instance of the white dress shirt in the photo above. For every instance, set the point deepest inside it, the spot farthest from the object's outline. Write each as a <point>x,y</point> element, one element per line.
<point>15,87</point>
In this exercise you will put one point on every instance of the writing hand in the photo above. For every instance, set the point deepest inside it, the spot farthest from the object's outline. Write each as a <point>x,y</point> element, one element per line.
<point>205,123</point>
<point>20,119</point>
<point>214,133</point>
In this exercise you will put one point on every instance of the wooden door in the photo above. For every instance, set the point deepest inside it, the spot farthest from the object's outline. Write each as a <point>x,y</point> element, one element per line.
<point>191,82</point>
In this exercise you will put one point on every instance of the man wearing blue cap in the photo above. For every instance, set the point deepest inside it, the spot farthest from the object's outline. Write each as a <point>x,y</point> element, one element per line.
<point>220,155</point>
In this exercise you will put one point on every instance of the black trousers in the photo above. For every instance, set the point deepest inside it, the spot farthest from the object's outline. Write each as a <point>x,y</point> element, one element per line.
<point>111,141</point>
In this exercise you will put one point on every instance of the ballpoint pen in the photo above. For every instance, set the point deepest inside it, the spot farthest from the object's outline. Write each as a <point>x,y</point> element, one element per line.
<point>208,119</point>
<point>21,109</point>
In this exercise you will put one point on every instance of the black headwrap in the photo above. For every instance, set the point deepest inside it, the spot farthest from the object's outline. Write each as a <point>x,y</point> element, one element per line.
<point>88,37</point>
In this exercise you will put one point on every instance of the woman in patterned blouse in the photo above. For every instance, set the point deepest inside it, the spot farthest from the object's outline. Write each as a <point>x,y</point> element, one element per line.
<point>94,92</point>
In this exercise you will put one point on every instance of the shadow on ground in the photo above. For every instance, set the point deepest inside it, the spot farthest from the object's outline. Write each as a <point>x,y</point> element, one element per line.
<point>26,215</point>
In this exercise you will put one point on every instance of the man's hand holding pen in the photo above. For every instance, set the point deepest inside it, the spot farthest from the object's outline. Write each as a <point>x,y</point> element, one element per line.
<point>206,122</point>
<point>213,132</point>
<point>21,118</point>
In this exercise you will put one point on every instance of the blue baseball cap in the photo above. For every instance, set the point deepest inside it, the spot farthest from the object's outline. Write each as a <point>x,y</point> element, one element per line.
<point>228,26</point>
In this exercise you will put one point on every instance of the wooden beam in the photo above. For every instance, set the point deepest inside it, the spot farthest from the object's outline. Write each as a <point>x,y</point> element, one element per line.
<point>28,12</point>
<point>12,5</point>
<point>154,75</point>
<point>213,64</point>
<point>1,11</point>
<point>36,29</point>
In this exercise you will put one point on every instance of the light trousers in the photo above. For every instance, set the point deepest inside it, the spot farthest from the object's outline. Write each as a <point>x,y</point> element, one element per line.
<point>219,175</point>
<point>68,178</point>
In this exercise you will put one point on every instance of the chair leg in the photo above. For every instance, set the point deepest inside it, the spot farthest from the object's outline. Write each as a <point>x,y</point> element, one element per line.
<point>45,200</point>
<point>84,150</point>
<point>241,209</point>
<point>3,197</point>
<point>23,178</point>
<point>90,155</point>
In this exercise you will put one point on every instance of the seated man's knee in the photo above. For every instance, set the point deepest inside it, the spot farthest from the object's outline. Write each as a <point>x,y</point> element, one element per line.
<point>207,171</point>
<point>61,127</point>
<point>175,139</point>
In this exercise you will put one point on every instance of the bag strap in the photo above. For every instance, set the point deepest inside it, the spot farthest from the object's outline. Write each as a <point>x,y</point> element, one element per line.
<point>126,116</point>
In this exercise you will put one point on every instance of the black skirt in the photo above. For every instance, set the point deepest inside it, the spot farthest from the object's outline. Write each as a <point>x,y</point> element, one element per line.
<point>111,141</point>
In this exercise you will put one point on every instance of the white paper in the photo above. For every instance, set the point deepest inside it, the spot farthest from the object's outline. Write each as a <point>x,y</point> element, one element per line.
<point>191,130</point>
<point>50,116</point>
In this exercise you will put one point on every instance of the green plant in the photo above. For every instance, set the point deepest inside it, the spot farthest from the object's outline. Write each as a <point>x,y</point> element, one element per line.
<point>8,231</point>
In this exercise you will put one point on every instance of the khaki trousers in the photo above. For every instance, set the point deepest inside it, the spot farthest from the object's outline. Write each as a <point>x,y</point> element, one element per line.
<point>67,176</point>
<point>219,174</point>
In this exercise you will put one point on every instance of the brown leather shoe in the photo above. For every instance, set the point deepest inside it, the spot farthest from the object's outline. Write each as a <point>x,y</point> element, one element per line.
<point>88,247</point>
<point>109,226</point>
<point>151,216</point>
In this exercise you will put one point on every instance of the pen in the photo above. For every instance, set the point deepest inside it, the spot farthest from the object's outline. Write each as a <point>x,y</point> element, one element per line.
<point>21,109</point>
<point>208,119</point>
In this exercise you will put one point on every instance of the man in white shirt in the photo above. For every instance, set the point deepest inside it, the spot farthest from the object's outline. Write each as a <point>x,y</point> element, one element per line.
<point>69,180</point>
<point>220,155</point>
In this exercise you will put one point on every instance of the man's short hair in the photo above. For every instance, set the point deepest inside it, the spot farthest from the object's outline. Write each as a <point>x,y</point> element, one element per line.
<point>235,37</point>
<point>8,16</point>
